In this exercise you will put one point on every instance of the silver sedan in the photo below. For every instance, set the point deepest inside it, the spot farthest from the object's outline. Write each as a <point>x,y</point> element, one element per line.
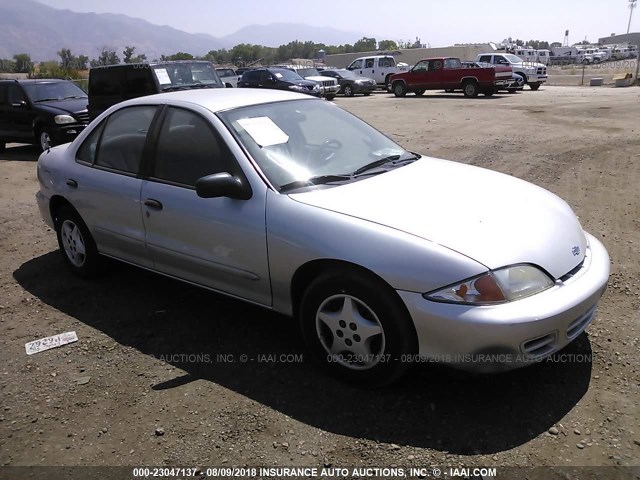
<point>384,256</point>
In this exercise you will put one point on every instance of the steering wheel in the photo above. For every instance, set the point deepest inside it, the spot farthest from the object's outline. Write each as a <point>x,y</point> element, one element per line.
<point>328,150</point>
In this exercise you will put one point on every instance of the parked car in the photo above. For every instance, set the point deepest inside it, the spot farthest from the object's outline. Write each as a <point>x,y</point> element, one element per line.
<point>291,203</point>
<point>449,74</point>
<point>45,112</point>
<point>228,76</point>
<point>114,83</point>
<point>378,67</point>
<point>329,86</point>
<point>278,79</point>
<point>350,83</point>
<point>515,82</point>
<point>535,74</point>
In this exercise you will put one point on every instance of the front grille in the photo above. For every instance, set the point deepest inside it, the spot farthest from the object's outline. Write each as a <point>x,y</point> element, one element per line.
<point>83,116</point>
<point>540,346</point>
<point>576,327</point>
<point>328,83</point>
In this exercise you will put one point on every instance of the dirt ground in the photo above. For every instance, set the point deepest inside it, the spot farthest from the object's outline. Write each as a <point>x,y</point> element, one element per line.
<point>156,376</point>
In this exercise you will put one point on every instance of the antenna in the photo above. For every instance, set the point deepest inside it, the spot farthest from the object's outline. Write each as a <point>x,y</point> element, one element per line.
<point>632,4</point>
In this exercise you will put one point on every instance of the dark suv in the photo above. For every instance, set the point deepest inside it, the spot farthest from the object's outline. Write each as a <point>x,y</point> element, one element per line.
<point>116,83</point>
<point>43,111</point>
<point>279,79</point>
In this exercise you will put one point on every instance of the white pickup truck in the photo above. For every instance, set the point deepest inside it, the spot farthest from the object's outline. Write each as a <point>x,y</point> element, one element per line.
<point>378,67</point>
<point>535,74</point>
<point>229,77</point>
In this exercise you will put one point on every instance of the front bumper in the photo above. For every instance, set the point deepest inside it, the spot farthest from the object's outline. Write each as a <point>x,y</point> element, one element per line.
<point>503,82</point>
<point>329,89</point>
<point>511,335</point>
<point>534,78</point>
<point>364,87</point>
<point>66,133</point>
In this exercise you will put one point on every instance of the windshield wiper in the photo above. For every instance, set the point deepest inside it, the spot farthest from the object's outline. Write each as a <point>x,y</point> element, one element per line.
<point>317,180</point>
<point>46,100</point>
<point>391,159</point>
<point>74,96</point>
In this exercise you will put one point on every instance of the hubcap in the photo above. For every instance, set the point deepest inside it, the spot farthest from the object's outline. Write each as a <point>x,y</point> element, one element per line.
<point>45,140</point>
<point>350,332</point>
<point>73,243</point>
<point>470,89</point>
<point>347,91</point>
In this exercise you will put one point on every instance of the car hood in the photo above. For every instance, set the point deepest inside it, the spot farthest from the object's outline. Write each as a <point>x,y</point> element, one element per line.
<point>495,219</point>
<point>317,78</point>
<point>65,106</point>
<point>527,65</point>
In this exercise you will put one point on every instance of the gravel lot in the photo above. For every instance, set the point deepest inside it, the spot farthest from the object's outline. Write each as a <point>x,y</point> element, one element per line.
<point>151,380</point>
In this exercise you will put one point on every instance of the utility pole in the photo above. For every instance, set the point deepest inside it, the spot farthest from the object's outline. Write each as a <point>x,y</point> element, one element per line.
<point>632,4</point>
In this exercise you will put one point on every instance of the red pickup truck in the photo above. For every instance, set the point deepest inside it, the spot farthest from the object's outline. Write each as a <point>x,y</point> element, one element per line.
<point>449,74</point>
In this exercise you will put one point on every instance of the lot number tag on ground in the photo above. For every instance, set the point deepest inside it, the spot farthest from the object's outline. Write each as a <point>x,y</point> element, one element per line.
<point>50,342</point>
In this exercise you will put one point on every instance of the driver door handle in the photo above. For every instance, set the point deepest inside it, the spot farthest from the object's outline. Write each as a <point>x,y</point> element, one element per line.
<point>153,203</point>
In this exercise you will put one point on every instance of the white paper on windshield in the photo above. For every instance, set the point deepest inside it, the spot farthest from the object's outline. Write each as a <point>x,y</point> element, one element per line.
<point>279,75</point>
<point>162,76</point>
<point>264,131</point>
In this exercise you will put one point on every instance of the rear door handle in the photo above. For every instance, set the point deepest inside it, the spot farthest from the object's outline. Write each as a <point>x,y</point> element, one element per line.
<point>72,183</point>
<point>152,203</point>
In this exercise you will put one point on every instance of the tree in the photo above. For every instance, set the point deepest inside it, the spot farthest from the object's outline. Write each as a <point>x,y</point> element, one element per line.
<point>7,66</point>
<point>177,56</point>
<point>365,44</point>
<point>555,45</point>
<point>387,45</point>
<point>108,56</point>
<point>23,63</point>
<point>128,56</point>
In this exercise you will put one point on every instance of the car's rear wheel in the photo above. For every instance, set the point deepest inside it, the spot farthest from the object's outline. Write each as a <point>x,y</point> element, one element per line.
<point>44,139</point>
<point>419,93</point>
<point>348,91</point>
<point>399,89</point>
<point>76,243</point>
<point>357,327</point>
<point>330,97</point>
<point>470,89</point>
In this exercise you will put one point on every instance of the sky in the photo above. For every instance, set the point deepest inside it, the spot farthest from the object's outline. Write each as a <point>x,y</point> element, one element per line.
<point>435,22</point>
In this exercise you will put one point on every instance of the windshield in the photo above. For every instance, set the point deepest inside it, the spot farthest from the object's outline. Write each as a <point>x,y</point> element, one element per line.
<point>297,140</point>
<point>286,75</point>
<point>64,90</point>
<point>347,74</point>
<point>187,74</point>
<point>513,58</point>
<point>308,72</point>
<point>225,72</point>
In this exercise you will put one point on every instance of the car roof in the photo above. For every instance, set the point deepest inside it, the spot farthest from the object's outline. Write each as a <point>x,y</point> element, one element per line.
<point>149,64</point>
<point>30,81</point>
<point>220,99</point>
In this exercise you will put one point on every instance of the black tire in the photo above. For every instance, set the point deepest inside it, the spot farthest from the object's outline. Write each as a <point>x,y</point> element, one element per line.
<point>387,85</point>
<point>43,138</point>
<point>419,93</point>
<point>511,90</point>
<point>333,291</point>
<point>534,86</point>
<point>3,146</point>
<point>348,91</point>
<point>399,89</point>
<point>87,265</point>
<point>488,92</point>
<point>330,97</point>
<point>470,88</point>
<point>366,94</point>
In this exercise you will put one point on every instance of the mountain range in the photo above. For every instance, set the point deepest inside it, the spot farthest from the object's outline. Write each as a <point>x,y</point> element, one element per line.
<point>27,26</point>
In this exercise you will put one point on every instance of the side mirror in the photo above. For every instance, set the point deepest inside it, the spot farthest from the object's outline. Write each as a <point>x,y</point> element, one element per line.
<point>222,185</point>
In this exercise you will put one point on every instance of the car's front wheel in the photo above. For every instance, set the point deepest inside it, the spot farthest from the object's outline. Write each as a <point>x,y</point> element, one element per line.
<point>3,146</point>
<point>534,86</point>
<point>44,139</point>
<point>419,92</point>
<point>399,89</point>
<point>348,91</point>
<point>76,243</point>
<point>357,327</point>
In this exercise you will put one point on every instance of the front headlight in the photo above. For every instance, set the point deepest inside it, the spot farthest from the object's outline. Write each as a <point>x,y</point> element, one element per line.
<point>298,88</point>
<point>498,286</point>
<point>316,88</point>
<point>62,119</point>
